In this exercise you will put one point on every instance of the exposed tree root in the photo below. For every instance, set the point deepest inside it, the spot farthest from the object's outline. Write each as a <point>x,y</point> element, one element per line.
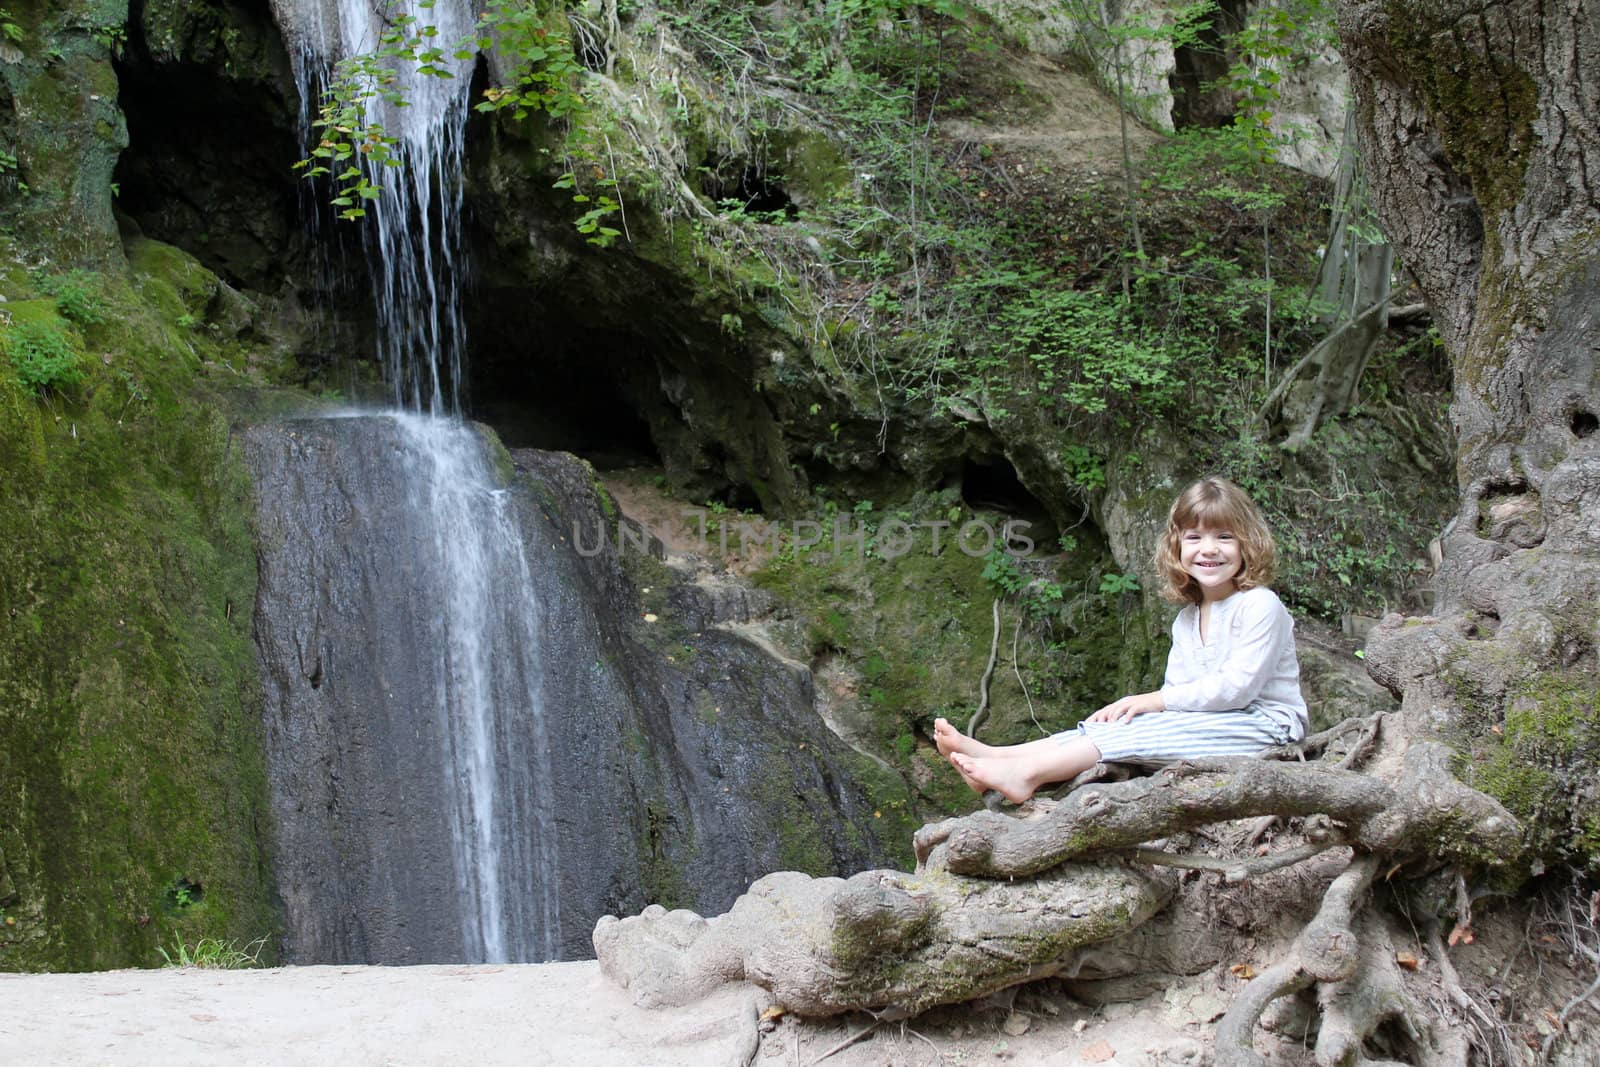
<point>882,941</point>
<point>1428,812</point>
<point>1326,950</point>
<point>999,900</point>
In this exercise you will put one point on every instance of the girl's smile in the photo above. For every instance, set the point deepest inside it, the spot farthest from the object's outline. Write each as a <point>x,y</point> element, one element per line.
<point>1212,558</point>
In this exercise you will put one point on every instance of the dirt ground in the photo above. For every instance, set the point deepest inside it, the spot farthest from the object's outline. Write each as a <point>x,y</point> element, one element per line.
<point>570,1015</point>
<point>558,1014</point>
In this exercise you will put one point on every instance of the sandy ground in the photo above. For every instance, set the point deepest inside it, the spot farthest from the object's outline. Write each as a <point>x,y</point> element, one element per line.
<point>562,1013</point>
<point>549,1014</point>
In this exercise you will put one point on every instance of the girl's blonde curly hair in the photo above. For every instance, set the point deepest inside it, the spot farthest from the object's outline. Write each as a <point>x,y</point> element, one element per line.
<point>1214,503</point>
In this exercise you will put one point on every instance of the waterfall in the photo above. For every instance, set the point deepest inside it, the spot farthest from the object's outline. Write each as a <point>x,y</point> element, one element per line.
<point>443,574</point>
<point>500,800</point>
<point>413,236</point>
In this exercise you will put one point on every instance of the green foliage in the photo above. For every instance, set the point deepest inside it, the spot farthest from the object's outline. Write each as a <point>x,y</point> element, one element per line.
<point>214,954</point>
<point>1000,570</point>
<point>1085,350</point>
<point>77,296</point>
<point>9,28</point>
<point>546,74</point>
<point>597,209</point>
<point>113,36</point>
<point>1084,467</point>
<point>1117,584</point>
<point>1277,36</point>
<point>44,355</point>
<point>354,148</point>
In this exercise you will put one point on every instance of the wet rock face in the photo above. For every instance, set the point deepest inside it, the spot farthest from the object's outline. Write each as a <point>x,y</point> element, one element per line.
<point>679,762</point>
<point>688,744</point>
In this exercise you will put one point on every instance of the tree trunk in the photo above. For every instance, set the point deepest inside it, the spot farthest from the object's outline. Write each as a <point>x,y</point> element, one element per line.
<point>1354,283</point>
<point>1480,129</point>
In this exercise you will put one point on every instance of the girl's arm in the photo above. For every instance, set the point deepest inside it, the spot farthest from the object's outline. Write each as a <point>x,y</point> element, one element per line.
<point>1252,657</point>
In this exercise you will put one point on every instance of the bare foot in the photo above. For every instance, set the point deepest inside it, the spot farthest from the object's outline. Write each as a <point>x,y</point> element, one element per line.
<point>1007,776</point>
<point>972,783</point>
<point>948,739</point>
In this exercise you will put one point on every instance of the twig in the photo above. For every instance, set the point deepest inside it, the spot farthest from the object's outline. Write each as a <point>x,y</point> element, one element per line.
<point>1259,828</point>
<point>1016,669</point>
<point>847,1042</point>
<point>1315,743</point>
<point>924,1037</point>
<point>1317,349</point>
<point>1233,869</point>
<point>1561,1019</point>
<point>1451,980</point>
<point>1363,745</point>
<point>988,673</point>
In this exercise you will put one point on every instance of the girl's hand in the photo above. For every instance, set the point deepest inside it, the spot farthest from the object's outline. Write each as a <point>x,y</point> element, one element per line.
<point>1128,707</point>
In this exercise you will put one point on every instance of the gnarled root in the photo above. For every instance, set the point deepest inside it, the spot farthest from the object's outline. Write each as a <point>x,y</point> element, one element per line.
<point>1354,1010</point>
<point>1326,950</point>
<point>1353,963</point>
<point>999,900</point>
<point>880,941</point>
<point>1428,810</point>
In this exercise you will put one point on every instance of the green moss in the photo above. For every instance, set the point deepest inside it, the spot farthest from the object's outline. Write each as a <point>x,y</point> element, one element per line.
<point>802,838</point>
<point>1541,764</point>
<point>813,167</point>
<point>1483,107</point>
<point>608,506</point>
<point>130,750</point>
<point>663,877</point>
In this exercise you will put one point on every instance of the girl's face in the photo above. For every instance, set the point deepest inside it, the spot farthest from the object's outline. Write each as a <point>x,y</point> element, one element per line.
<point>1212,558</point>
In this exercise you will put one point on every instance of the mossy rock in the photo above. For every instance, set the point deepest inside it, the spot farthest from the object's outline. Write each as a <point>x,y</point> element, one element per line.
<point>1543,764</point>
<point>130,757</point>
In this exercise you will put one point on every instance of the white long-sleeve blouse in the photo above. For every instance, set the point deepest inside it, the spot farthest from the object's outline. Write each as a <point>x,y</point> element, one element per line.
<point>1246,662</point>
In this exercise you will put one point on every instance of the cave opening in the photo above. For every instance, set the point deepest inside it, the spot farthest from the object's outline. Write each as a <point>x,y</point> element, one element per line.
<point>212,145</point>
<point>1584,423</point>
<point>990,482</point>
<point>545,376</point>
<point>1198,100</point>
<point>738,185</point>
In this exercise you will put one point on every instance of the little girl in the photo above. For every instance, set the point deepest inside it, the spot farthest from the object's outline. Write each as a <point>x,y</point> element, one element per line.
<point>1232,686</point>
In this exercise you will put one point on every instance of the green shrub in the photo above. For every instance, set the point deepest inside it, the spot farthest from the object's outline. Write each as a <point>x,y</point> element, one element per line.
<point>44,357</point>
<point>77,296</point>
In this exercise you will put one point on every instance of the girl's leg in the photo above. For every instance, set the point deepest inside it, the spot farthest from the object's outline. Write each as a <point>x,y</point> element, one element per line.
<point>948,739</point>
<point>1019,773</point>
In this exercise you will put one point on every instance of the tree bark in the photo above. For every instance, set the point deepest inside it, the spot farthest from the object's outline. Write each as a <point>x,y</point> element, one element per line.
<point>1480,128</point>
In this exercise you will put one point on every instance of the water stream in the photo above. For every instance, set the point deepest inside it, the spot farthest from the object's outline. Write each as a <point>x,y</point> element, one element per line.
<point>444,572</point>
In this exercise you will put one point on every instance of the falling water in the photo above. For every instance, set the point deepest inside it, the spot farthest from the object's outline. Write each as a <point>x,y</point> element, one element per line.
<point>484,631</point>
<point>500,798</point>
<point>413,235</point>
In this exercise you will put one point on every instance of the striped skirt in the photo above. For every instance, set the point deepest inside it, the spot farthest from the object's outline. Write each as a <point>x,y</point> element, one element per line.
<point>1175,735</point>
